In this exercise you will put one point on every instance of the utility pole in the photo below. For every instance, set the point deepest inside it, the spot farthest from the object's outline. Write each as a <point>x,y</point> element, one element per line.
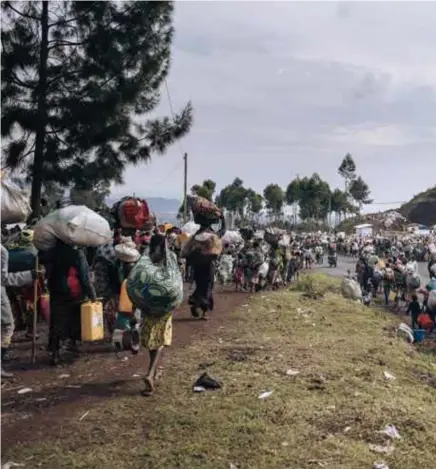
<point>185,189</point>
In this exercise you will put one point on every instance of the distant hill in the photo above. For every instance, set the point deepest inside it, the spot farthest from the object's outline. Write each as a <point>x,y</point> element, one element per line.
<point>422,208</point>
<point>165,209</point>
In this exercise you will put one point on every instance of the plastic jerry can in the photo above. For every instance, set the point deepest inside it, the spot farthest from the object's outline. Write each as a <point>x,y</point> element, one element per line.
<point>91,314</point>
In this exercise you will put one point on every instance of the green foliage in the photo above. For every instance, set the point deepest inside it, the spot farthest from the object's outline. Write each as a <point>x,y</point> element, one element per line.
<point>234,197</point>
<point>315,198</point>
<point>205,190</point>
<point>360,192</point>
<point>274,198</point>
<point>78,81</point>
<point>255,202</point>
<point>347,170</point>
<point>293,192</point>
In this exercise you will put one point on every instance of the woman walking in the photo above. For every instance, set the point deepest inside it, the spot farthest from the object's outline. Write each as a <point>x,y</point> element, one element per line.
<point>157,331</point>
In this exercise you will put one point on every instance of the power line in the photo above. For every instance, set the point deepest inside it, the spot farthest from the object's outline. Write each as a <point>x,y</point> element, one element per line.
<point>177,166</point>
<point>170,104</point>
<point>389,203</point>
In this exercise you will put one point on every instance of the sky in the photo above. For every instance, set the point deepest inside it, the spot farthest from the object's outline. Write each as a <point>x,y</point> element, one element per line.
<point>282,89</point>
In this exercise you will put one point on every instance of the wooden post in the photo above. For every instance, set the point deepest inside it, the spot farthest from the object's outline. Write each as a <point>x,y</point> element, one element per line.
<point>35,311</point>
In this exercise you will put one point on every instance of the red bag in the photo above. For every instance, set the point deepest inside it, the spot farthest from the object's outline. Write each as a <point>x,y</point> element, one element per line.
<point>424,321</point>
<point>133,213</point>
<point>74,285</point>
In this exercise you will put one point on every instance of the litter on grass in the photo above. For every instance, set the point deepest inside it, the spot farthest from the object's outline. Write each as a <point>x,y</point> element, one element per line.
<point>381,449</point>
<point>380,465</point>
<point>292,372</point>
<point>24,390</point>
<point>11,464</point>
<point>199,389</point>
<point>389,375</point>
<point>391,432</point>
<point>266,394</point>
<point>84,415</point>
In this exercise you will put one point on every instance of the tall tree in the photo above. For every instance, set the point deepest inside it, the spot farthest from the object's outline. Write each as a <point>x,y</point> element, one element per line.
<point>360,192</point>
<point>254,202</point>
<point>233,197</point>
<point>292,197</point>
<point>78,80</point>
<point>206,189</point>
<point>315,198</point>
<point>274,198</point>
<point>339,203</point>
<point>347,170</point>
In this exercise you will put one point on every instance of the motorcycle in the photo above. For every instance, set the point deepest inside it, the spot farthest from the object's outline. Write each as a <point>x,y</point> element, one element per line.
<point>333,260</point>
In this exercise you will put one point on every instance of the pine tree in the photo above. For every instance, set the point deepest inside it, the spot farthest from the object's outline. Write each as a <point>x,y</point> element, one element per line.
<point>78,79</point>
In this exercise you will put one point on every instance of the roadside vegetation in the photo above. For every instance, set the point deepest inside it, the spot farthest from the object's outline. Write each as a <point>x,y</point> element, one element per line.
<point>338,377</point>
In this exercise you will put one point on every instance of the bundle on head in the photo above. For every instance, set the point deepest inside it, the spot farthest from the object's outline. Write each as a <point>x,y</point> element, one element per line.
<point>205,212</point>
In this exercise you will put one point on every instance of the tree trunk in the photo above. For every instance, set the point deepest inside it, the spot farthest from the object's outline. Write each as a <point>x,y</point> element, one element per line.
<point>38,160</point>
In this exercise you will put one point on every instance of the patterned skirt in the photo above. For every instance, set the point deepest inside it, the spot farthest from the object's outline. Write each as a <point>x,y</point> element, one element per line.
<point>157,332</point>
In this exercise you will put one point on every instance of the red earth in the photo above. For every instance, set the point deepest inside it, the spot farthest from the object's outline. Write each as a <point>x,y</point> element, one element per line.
<point>59,392</point>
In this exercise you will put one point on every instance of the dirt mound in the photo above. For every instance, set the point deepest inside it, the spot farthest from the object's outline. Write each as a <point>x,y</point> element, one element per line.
<point>422,208</point>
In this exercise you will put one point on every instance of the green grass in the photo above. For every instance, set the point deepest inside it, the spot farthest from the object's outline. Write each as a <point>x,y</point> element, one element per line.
<point>326,416</point>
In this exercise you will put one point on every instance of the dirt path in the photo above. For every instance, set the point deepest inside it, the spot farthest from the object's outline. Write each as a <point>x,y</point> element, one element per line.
<point>58,393</point>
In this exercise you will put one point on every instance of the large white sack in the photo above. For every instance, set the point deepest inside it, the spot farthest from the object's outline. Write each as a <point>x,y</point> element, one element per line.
<point>285,241</point>
<point>15,203</point>
<point>76,225</point>
<point>232,237</point>
<point>190,228</point>
<point>263,269</point>
<point>351,289</point>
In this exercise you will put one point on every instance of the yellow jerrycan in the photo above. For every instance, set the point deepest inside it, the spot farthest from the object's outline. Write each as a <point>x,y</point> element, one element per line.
<point>91,315</point>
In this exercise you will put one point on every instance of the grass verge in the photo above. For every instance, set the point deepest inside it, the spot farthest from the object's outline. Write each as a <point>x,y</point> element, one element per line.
<point>325,416</point>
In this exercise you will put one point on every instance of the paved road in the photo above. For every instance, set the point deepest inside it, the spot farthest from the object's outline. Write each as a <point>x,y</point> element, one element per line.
<point>345,263</point>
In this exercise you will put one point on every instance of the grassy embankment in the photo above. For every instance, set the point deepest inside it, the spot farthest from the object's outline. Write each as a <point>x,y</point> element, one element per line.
<point>325,416</point>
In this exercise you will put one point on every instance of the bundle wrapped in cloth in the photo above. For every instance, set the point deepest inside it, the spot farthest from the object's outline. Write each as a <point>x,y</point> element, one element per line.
<point>131,213</point>
<point>75,225</point>
<point>15,202</point>
<point>156,289</point>
<point>204,210</point>
<point>126,251</point>
<point>351,289</point>
<point>273,235</point>
<point>205,244</point>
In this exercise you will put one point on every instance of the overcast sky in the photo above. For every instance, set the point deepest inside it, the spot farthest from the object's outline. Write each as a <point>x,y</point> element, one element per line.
<point>287,88</point>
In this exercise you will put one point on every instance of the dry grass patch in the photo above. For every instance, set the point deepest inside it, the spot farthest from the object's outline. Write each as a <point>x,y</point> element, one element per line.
<point>325,416</point>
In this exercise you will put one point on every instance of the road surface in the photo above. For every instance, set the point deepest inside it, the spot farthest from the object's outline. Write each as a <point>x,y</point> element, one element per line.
<point>345,263</point>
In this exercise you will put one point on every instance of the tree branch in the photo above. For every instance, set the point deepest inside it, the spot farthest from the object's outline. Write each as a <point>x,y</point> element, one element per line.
<point>64,22</point>
<point>18,82</point>
<point>65,43</point>
<point>23,15</point>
